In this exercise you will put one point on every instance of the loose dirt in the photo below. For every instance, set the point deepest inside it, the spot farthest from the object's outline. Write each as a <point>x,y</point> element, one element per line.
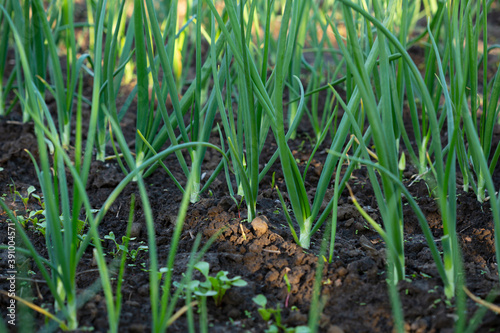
<point>353,287</point>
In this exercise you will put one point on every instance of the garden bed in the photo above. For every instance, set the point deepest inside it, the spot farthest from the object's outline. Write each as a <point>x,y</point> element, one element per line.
<point>354,294</point>
<point>354,285</point>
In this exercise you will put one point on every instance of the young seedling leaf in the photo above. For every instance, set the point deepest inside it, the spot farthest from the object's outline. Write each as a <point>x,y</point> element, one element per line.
<point>260,300</point>
<point>203,267</point>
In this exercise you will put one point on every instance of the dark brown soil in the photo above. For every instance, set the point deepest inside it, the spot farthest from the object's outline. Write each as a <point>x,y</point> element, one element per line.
<point>353,286</point>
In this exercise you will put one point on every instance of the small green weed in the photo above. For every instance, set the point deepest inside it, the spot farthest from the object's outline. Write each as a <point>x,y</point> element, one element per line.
<point>132,254</point>
<point>270,313</point>
<point>215,286</point>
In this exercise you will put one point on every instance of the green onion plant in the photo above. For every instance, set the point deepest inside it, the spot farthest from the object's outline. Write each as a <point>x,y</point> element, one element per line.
<point>257,85</point>
<point>442,169</point>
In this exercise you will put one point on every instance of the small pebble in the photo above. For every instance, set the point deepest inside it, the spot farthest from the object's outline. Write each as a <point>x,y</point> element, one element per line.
<point>137,328</point>
<point>259,225</point>
<point>359,226</point>
<point>272,276</point>
<point>342,271</point>
<point>419,326</point>
<point>135,230</point>
<point>335,329</point>
<point>144,290</point>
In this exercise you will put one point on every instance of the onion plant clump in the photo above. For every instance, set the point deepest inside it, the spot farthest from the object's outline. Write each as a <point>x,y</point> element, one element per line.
<point>454,111</point>
<point>66,242</point>
<point>253,81</point>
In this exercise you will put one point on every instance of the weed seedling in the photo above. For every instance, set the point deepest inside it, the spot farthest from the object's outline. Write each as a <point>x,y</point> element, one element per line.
<point>134,253</point>
<point>30,190</point>
<point>268,313</point>
<point>288,287</point>
<point>238,204</point>
<point>248,314</point>
<point>215,286</point>
<point>219,283</point>
<point>119,247</point>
